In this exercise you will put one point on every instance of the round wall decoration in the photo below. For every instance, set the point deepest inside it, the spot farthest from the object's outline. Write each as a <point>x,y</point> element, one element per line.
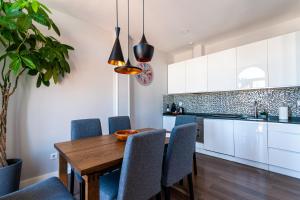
<point>146,76</point>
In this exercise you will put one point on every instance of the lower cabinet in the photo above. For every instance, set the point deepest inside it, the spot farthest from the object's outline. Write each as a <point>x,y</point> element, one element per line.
<point>251,140</point>
<point>218,136</point>
<point>169,122</point>
<point>284,145</point>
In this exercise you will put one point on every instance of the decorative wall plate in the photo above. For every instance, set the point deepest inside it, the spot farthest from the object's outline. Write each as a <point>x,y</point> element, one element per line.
<point>146,76</point>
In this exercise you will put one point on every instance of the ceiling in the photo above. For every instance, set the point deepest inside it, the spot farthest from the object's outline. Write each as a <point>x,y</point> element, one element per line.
<point>173,24</point>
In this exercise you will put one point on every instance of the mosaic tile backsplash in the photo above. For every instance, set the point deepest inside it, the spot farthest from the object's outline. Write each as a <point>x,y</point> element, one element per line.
<point>239,102</point>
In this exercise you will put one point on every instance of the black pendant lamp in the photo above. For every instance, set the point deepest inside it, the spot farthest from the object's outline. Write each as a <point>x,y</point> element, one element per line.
<point>116,56</point>
<point>143,51</point>
<point>128,68</point>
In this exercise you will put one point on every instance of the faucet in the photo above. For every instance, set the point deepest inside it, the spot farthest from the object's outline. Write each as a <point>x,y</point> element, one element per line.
<point>255,109</point>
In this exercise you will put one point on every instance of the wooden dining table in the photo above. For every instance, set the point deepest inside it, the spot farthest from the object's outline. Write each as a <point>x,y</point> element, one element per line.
<point>91,157</point>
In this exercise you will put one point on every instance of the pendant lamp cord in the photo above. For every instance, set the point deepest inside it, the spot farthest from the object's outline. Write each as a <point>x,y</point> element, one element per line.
<point>128,32</point>
<point>117,9</point>
<point>143,16</point>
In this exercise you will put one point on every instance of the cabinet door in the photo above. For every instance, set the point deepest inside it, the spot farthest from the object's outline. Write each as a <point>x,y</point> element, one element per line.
<point>196,75</point>
<point>252,65</point>
<point>251,139</point>
<point>221,68</point>
<point>176,78</point>
<point>218,136</point>
<point>284,60</point>
<point>168,122</point>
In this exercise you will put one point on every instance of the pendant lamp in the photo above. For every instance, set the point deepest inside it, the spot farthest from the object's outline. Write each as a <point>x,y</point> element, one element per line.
<point>116,56</point>
<point>128,68</point>
<point>143,51</point>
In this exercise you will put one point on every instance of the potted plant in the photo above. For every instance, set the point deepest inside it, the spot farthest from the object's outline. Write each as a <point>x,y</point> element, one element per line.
<point>25,50</point>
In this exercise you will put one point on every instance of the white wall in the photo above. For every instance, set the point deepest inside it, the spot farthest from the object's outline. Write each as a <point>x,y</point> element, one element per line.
<point>147,101</point>
<point>41,117</point>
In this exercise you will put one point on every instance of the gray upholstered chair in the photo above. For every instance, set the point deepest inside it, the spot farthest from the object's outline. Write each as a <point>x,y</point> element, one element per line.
<point>83,128</point>
<point>49,189</point>
<point>185,119</point>
<point>178,162</point>
<point>118,123</point>
<point>140,175</point>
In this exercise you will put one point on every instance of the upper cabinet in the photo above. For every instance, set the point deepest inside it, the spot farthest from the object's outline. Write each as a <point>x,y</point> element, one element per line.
<point>252,65</point>
<point>176,78</point>
<point>269,63</point>
<point>222,70</point>
<point>284,60</point>
<point>196,75</point>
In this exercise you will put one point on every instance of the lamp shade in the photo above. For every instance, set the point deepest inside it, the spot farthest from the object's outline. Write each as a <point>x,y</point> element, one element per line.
<point>143,51</point>
<point>116,56</point>
<point>128,69</point>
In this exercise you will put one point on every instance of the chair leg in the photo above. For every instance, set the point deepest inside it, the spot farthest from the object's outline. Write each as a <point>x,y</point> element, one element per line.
<point>158,196</point>
<point>195,163</point>
<point>167,193</point>
<point>191,190</point>
<point>72,182</point>
<point>82,190</point>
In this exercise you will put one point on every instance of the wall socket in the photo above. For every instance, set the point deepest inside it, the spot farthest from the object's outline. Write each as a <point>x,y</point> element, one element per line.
<point>53,156</point>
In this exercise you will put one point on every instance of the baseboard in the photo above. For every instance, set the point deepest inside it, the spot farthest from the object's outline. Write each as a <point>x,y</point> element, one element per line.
<point>36,179</point>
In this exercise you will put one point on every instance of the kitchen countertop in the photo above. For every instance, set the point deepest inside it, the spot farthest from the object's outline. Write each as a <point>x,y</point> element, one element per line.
<point>273,119</point>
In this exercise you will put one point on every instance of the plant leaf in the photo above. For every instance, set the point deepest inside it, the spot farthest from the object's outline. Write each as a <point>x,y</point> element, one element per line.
<point>39,81</point>
<point>35,6</point>
<point>48,75</point>
<point>8,23</point>
<point>55,28</point>
<point>28,62</point>
<point>24,22</point>
<point>15,65</point>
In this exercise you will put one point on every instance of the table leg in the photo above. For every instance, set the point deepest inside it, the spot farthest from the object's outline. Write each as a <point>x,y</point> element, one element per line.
<point>63,170</point>
<point>92,187</point>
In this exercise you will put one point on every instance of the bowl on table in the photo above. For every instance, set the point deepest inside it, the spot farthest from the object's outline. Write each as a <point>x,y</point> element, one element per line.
<point>124,134</point>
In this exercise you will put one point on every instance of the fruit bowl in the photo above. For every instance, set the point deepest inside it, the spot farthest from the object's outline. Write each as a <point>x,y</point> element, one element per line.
<point>124,134</point>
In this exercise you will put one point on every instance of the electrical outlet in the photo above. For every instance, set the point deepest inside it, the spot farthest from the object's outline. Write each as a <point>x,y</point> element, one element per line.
<point>53,156</point>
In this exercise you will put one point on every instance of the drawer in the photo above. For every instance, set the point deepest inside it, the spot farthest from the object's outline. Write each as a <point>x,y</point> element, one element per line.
<point>284,136</point>
<point>284,159</point>
<point>289,128</point>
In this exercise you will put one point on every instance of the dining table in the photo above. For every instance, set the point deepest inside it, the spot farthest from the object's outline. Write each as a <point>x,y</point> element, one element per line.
<point>92,157</point>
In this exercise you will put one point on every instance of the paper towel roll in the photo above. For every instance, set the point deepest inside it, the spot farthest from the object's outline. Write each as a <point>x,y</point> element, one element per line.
<point>283,113</point>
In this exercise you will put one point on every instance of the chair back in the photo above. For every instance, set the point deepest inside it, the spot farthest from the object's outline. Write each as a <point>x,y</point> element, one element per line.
<point>118,123</point>
<point>142,166</point>
<point>83,128</point>
<point>178,161</point>
<point>185,119</point>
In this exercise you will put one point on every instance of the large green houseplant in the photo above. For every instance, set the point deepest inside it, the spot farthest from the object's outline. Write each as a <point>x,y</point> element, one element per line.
<point>26,50</point>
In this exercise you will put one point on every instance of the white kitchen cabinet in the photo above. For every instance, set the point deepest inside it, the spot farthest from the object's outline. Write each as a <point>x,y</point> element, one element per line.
<point>284,136</point>
<point>284,60</point>
<point>169,122</point>
<point>196,75</point>
<point>218,136</point>
<point>176,78</point>
<point>251,140</point>
<point>221,68</point>
<point>252,65</point>
<point>283,143</point>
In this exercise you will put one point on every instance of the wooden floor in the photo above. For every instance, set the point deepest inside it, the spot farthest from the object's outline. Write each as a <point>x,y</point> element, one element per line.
<point>219,179</point>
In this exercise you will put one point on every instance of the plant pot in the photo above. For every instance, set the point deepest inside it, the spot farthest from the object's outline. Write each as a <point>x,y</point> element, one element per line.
<point>10,176</point>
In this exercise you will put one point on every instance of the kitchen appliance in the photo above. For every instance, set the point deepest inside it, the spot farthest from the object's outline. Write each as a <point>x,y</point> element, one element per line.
<point>283,113</point>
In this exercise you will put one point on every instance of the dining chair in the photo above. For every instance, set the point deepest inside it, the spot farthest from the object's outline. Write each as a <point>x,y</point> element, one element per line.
<point>140,174</point>
<point>49,189</point>
<point>178,162</point>
<point>118,123</point>
<point>83,128</point>
<point>185,119</point>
